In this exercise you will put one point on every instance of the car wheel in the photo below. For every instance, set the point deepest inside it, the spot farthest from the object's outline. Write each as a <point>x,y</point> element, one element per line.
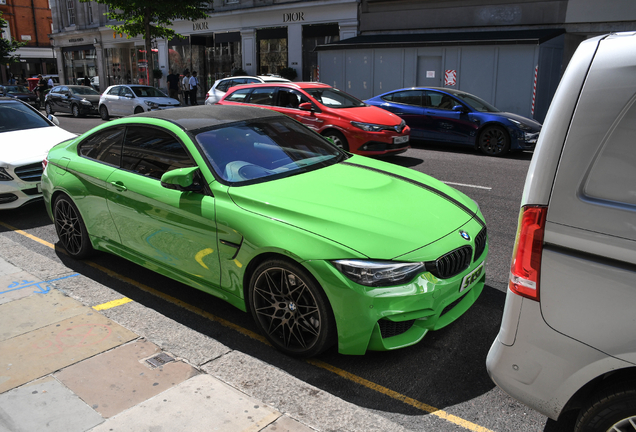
<point>337,138</point>
<point>291,309</point>
<point>48,109</point>
<point>103,112</point>
<point>70,228</point>
<point>494,141</point>
<point>75,111</point>
<point>613,409</point>
<point>139,110</point>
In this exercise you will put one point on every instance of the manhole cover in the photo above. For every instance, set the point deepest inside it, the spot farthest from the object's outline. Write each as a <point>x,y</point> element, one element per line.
<point>159,360</point>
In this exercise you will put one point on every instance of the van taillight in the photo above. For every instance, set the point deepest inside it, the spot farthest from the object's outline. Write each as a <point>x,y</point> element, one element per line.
<point>526,257</point>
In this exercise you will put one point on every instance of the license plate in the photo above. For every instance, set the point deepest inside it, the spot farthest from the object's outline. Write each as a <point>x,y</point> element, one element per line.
<point>471,277</point>
<point>401,139</point>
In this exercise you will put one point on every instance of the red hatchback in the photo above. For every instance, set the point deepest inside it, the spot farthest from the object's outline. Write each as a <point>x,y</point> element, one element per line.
<point>347,121</point>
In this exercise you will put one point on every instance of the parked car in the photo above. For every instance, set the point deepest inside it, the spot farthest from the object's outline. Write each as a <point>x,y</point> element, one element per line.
<point>453,116</point>
<point>21,93</point>
<point>25,138</point>
<point>250,206</point>
<point>567,341</point>
<point>127,99</point>
<point>75,99</point>
<point>220,86</point>
<point>347,121</point>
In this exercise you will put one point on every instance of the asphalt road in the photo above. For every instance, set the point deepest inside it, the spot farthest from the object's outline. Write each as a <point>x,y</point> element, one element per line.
<point>446,370</point>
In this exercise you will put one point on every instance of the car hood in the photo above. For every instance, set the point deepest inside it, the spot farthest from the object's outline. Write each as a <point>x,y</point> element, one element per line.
<point>369,114</point>
<point>378,209</point>
<point>525,120</point>
<point>91,98</point>
<point>33,146</point>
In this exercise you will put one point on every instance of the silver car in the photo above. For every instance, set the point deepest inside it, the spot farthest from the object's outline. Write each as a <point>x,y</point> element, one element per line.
<point>127,99</point>
<point>568,335</point>
<point>220,87</point>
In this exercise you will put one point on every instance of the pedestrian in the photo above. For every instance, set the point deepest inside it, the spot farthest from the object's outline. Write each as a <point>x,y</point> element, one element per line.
<point>194,85</point>
<point>173,85</point>
<point>39,89</point>
<point>12,80</point>
<point>186,86</point>
<point>50,82</point>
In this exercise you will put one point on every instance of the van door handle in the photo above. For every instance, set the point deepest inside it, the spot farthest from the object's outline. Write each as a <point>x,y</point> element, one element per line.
<point>119,185</point>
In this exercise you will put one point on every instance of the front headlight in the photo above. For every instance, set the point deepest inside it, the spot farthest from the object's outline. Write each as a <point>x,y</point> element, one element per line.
<point>369,127</point>
<point>378,273</point>
<point>522,126</point>
<point>85,102</point>
<point>4,175</point>
<point>152,104</point>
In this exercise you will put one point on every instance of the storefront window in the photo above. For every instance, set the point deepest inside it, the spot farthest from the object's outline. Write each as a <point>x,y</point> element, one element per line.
<point>314,35</point>
<point>222,59</point>
<point>272,50</point>
<point>79,64</point>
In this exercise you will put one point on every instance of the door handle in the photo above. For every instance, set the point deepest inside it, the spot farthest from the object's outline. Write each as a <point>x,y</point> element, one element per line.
<point>119,185</point>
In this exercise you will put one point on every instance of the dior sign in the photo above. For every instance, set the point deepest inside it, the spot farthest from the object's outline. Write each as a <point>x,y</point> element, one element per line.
<point>294,16</point>
<point>200,26</point>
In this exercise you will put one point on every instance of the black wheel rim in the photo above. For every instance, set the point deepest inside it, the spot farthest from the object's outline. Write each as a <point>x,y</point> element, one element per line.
<point>75,111</point>
<point>493,141</point>
<point>337,141</point>
<point>47,108</point>
<point>286,309</point>
<point>68,226</point>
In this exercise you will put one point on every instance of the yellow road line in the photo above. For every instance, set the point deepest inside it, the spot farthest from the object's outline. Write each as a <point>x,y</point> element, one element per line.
<point>342,373</point>
<point>112,304</point>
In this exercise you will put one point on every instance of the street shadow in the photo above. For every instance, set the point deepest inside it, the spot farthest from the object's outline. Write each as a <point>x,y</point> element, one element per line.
<point>34,212</point>
<point>463,149</point>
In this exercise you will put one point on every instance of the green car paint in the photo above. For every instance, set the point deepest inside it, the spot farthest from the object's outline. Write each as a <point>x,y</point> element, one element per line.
<point>358,209</point>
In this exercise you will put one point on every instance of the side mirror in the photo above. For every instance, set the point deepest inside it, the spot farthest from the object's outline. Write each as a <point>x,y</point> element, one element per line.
<point>181,179</point>
<point>53,119</point>
<point>306,106</point>
<point>459,108</point>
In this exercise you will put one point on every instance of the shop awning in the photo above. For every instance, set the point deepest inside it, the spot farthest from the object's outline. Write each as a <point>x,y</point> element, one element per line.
<point>509,37</point>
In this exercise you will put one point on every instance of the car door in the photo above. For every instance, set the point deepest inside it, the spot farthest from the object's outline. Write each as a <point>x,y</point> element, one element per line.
<point>288,102</point>
<point>169,227</point>
<point>446,124</point>
<point>408,104</point>
<point>110,98</point>
<point>125,103</point>
<point>64,100</point>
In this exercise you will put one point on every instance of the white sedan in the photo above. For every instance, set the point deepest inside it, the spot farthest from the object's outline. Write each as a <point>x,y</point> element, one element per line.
<point>26,136</point>
<point>127,99</point>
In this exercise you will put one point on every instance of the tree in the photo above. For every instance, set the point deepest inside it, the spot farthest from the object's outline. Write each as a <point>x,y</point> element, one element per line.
<point>152,18</point>
<point>8,46</point>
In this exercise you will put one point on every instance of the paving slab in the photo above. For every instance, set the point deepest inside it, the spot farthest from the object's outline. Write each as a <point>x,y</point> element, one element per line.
<point>200,404</point>
<point>22,257</point>
<point>45,405</point>
<point>40,352</point>
<point>16,285</point>
<point>37,311</point>
<point>121,378</point>
<point>7,268</point>
<point>287,424</point>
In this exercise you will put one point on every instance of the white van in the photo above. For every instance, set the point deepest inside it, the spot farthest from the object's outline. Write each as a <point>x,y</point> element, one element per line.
<point>568,333</point>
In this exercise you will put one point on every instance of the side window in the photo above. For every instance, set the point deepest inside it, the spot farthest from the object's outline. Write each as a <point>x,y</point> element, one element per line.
<point>151,152</point>
<point>290,98</point>
<point>388,97</point>
<point>263,96</point>
<point>104,146</point>
<point>125,91</point>
<point>252,80</point>
<point>114,91</point>
<point>440,100</point>
<point>612,176</point>
<point>64,90</point>
<point>224,85</point>
<point>239,95</point>
<point>410,97</point>
<point>55,89</point>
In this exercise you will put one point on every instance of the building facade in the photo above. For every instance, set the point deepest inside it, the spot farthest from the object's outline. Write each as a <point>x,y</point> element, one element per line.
<point>510,53</point>
<point>29,21</point>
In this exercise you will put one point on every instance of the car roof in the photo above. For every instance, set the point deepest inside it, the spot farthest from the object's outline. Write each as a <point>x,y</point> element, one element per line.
<point>301,84</point>
<point>202,116</point>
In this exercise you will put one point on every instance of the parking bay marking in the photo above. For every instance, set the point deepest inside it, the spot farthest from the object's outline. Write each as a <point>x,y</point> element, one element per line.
<point>340,372</point>
<point>467,185</point>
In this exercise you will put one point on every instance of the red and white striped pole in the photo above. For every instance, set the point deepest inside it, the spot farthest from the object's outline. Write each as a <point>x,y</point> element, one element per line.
<point>534,88</point>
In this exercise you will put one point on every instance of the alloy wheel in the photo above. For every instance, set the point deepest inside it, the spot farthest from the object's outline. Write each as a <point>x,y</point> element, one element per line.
<point>626,425</point>
<point>494,141</point>
<point>68,226</point>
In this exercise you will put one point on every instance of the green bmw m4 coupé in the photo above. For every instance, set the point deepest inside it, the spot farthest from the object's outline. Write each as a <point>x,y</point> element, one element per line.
<point>321,246</point>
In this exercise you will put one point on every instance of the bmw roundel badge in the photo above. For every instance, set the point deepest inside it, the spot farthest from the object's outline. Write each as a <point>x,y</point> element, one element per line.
<point>464,235</point>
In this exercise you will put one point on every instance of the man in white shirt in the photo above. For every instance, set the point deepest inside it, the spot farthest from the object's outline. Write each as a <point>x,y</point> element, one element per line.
<point>50,83</point>
<point>185,84</point>
<point>194,85</point>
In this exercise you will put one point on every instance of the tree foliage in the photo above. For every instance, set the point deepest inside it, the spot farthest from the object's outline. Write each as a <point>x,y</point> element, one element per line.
<point>152,19</point>
<point>7,47</point>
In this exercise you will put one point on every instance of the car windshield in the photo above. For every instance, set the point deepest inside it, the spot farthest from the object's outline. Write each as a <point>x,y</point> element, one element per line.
<point>16,89</point>
<point>334,98</point>
<point>17,116</point>
<point>475,102</point>
<point>148,92</point>
<point>83,91</point>
<point>266,149</point>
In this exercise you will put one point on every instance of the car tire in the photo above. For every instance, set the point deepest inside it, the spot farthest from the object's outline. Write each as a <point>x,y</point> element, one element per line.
<point>614,408</point>
<point>70,228</point>
<point>494,141</point>
<point>139,110</point>
<point>291,309</point>
<point>75,111</point>
<point>48,109</point>
<point>103,112</point>
<point>337,138</point>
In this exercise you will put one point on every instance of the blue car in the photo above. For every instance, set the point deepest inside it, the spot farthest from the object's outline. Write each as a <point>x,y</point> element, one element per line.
<point>448,115</point>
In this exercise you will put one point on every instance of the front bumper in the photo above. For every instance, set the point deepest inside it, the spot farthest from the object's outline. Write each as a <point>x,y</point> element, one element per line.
<point>527,140</point>
<point>14,194</point>
<point>388,318</point>
<point>378,143</point>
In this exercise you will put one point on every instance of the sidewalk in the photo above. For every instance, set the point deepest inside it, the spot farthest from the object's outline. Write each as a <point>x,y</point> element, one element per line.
<point>66,367</point>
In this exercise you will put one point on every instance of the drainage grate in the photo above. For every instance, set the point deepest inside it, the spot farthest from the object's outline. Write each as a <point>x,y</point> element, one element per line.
<point>159,360</point>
